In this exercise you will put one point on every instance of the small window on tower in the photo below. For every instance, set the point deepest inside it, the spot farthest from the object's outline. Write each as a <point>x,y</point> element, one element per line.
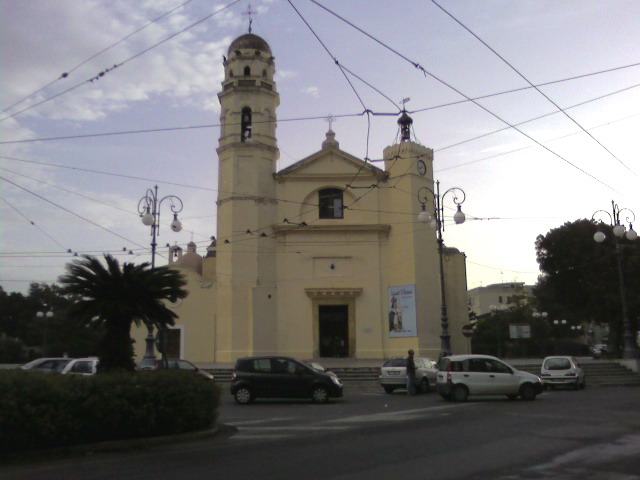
<point>245,125</point>
<point>330,203</point>
<point>247,71</point>
<point>264,72</point>
<point>230,73</point>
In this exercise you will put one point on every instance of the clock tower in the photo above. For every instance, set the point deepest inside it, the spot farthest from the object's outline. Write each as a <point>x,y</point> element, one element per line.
<point>247,207</point>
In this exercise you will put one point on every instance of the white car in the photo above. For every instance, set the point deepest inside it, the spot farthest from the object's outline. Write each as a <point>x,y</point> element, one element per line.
<point>81,366</point>
<point>393,374</point>
<point>462,375</point>
<point>47,365</point>
<point>562,371</point>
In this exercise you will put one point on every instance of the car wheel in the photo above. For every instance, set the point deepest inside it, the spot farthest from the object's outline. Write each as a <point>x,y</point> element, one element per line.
<point>388,389</point>
<point>576,386</point>
<point>243,395</point>
<point>319,395</point>
<point>527,392</point>
<point>446,397</point>
<point>512,397</point>
<point>424,385</point>
<point>460,393</point>
<point>583,384</point>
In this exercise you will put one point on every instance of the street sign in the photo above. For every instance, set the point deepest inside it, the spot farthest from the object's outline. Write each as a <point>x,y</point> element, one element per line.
<point>467,330</point>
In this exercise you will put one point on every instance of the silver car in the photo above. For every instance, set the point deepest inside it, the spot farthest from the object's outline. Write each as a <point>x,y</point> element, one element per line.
<point>47,365</point>
<point>562,371</point>
<point>393,374</point>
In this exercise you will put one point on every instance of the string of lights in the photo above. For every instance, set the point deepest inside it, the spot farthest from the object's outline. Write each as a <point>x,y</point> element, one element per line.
<point>117,65</point>
<point>69,71</point>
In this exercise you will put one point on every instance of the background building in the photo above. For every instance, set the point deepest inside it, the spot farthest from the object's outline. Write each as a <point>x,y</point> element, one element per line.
<point>499,294</point>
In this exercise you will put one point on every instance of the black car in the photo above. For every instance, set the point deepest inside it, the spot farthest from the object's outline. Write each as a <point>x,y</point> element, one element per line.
<point>282,377</point>
<point>175,364</point>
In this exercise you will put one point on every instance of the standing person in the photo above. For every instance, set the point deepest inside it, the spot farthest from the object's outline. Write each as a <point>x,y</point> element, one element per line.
<point>411,374</point>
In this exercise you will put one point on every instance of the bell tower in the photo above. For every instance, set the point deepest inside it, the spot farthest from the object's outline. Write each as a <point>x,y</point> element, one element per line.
<point>247,207</point>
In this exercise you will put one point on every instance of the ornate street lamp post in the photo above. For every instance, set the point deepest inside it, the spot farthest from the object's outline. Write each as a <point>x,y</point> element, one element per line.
<point>47,316</point>
<point>630,349</point>
<point>436,220</point>
<point>149,209</point>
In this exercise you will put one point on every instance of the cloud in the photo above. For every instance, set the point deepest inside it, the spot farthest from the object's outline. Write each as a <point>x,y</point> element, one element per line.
<point>186,69</point>
<point>313,91</point>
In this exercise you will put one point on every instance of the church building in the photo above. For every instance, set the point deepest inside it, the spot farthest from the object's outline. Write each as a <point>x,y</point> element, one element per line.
<point>324,258</point>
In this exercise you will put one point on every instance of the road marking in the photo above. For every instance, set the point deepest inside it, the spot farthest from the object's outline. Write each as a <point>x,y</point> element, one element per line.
<point>259,437</point>
<point>264,420</point>
<point>292,428</point>
<point>394,416</point>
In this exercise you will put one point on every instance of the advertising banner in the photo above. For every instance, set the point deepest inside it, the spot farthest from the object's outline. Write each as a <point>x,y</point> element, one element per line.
<point>402,311</point>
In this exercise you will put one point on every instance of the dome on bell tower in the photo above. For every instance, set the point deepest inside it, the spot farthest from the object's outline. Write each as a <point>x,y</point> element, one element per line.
<point>249,41</point>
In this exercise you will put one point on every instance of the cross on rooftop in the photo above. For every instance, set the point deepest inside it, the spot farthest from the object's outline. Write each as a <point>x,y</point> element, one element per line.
<point>330,119</point>
<point>249,13</point>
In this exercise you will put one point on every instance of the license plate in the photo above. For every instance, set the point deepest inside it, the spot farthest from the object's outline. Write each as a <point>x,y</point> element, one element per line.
<point>394,373</point>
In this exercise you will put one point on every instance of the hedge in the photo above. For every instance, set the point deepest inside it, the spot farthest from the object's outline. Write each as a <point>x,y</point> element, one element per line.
<point>40,411</point>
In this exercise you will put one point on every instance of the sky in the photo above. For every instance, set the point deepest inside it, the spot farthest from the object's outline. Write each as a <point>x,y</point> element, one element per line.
<point>158,67</point>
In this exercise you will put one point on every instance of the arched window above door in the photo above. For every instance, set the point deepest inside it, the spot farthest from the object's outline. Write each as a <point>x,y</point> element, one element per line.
<point>330,203</point>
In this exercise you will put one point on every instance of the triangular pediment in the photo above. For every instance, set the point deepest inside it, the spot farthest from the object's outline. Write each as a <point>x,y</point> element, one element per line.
<point>331,162</point>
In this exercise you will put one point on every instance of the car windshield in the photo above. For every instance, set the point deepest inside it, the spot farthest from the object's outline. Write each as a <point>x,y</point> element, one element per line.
<point>315,366</point>
<point>395,362</point>
<point>557,364</point>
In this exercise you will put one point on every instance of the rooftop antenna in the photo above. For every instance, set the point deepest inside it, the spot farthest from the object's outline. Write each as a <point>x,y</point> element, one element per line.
<point>248,13</point>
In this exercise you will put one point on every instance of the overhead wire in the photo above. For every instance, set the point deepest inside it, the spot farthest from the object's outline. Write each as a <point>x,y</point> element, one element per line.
<point>50,237</point>
<point>117,65</point>
<point>68,72</point>
<point>521,89</point>
<point>93,199</point>
<point>510,65</point>
<point>530,146</point>
<point>71,212</point>
<point>451,87</point>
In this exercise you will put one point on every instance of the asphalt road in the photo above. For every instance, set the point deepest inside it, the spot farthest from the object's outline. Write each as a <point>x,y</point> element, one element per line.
<point>591,434</point>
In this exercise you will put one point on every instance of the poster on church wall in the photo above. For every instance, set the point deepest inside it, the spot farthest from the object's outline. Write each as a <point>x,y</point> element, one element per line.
<point>402,311</point>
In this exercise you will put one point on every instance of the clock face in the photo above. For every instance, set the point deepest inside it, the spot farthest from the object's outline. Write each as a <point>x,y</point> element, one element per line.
<point>422,168</point>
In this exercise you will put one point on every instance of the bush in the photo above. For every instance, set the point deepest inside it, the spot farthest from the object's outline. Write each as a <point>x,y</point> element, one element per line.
<point>39,411</point>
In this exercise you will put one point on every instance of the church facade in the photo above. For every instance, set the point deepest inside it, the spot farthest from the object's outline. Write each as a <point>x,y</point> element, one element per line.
<point>324,258</point>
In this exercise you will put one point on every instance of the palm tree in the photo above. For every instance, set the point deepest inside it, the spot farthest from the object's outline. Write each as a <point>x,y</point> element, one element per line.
<point>116,297</point>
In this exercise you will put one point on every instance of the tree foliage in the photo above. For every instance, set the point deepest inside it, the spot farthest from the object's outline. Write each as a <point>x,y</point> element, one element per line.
<point>114,297</point>
<point>27,336</point>
<point>579,278</point>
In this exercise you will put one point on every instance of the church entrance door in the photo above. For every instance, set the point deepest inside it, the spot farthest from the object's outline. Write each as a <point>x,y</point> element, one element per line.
<point>334,330</point>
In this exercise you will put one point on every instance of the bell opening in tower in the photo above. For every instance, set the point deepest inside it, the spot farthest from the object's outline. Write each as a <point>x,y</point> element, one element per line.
<point>245,125</point>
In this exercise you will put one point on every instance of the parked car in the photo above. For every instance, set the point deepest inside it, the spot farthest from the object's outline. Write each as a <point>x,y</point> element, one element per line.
<point>282,377</point>
<point>177,364</point>
<point>562,371</point>
<point>462,375</point>
<point>81,366</point>
<point>47,365</point>
<point>598,349</point>
<point>393,374</point>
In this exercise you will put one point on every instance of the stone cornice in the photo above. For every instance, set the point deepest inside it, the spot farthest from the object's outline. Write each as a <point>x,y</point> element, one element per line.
<point>245,145</point>
<point>254,198</point>
<point>333,292</point>
<point>376,227</point>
